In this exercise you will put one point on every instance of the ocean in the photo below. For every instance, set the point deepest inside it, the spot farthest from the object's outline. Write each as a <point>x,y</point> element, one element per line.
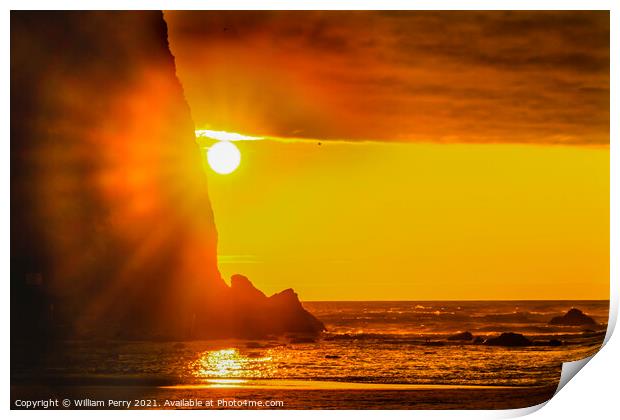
<point>398,354</point>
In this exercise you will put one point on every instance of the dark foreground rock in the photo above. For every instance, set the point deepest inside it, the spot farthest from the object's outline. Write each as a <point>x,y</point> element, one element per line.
<point>574,317</point>
<point>462,336</point>
<point>509,340</point>
<point>554,342</point>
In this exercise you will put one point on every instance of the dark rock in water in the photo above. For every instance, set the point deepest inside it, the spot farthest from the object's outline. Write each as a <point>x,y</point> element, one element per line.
<point>478,340</point>
<point>254,314</point>
<point>509,339</point>
<point>554,342</point>
<point>332,356</point>
<point>462,336</point>
<point>574,317</point>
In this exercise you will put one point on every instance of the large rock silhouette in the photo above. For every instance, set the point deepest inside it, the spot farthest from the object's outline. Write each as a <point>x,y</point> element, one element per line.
<point>112,231</point>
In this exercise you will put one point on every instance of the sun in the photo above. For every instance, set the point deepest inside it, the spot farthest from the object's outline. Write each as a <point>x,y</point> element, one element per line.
<point>223,157</point>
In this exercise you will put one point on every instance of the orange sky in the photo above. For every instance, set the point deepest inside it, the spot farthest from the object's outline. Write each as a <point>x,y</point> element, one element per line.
<point>417,221</point>
<point>408,76</point>
<point>487,176</point>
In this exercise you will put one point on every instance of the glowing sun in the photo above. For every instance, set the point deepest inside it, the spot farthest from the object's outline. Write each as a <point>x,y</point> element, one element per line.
<point>223,157</point>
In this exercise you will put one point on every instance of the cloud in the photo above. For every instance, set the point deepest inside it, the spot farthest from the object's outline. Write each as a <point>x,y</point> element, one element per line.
<point>223,135</point>
<point>518,77</point>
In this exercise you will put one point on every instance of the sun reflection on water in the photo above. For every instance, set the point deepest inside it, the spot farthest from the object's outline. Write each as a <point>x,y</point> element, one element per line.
<point>229,363</point>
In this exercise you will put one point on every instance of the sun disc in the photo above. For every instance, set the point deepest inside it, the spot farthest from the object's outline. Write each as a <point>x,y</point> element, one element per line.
<point>223,157</point>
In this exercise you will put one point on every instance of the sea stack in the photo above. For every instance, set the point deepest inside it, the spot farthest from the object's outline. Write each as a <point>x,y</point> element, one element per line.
<point>118,238</point>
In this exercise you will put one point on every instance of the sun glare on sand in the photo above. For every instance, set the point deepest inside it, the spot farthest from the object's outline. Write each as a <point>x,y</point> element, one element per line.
<point>229,363</point>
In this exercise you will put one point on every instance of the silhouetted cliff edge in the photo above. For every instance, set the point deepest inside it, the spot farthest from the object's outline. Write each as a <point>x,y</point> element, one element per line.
<point>112,231</point>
